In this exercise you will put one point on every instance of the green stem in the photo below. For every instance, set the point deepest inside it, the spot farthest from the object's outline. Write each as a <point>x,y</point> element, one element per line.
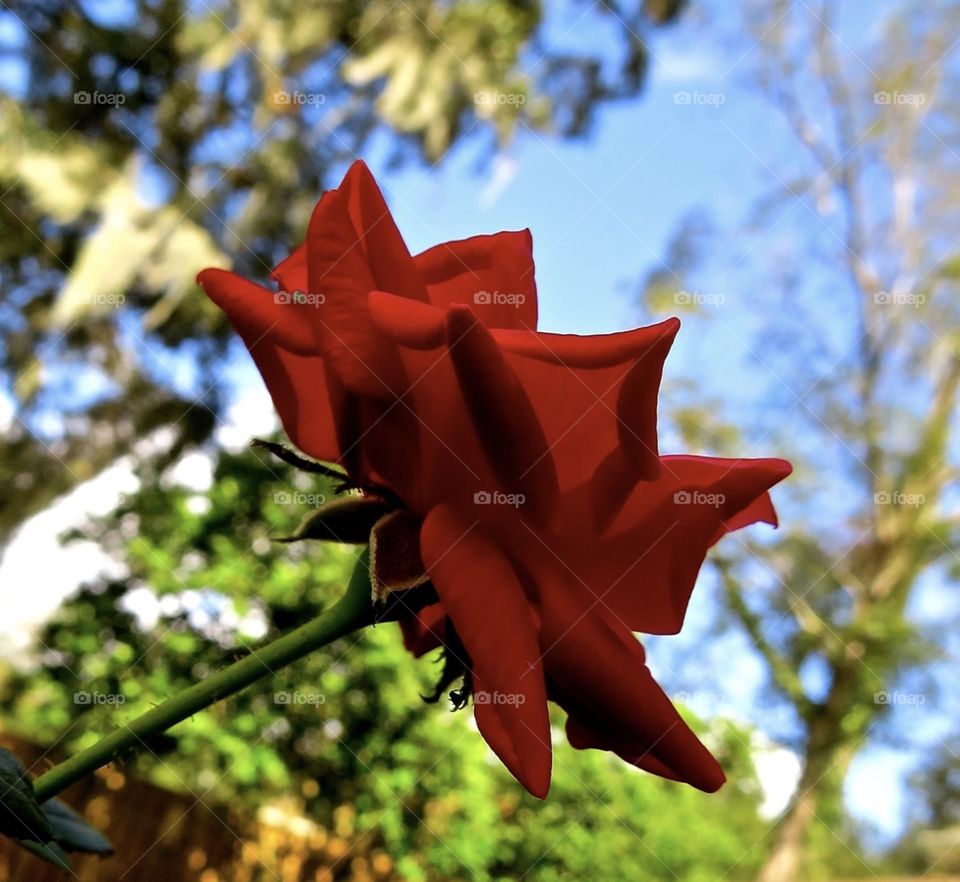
<point>352,611</point>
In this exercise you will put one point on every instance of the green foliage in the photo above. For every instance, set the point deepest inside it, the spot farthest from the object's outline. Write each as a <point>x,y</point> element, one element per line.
<point>346,728</point>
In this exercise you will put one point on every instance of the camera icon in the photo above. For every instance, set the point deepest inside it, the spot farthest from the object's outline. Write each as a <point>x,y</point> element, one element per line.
<point>481,698</point>
<point>882,498</point>
<point>281,698</point>
<point>81,98</point>
<point>682,97</point>
<point>881,98</point>
<point>282,97</point>
<point>283,497</point>
<point>481,98</point>
<point>483,298</point>
<point>682,497</point>
<point>283,298</point>
<point>682,298</point>
<point>482,497</point>
<point>82,698</point>
<point>881,697</point>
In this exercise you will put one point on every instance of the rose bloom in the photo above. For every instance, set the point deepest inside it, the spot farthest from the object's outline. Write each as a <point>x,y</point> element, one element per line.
<point>516,472</point>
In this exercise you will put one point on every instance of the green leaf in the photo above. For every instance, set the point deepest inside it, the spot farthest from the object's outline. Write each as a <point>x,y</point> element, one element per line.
<point>20,813</point>
<point>49,851</point>
<point>72,832</point>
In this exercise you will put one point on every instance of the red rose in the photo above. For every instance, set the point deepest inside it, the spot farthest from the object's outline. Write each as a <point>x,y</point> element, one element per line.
<point>519,471</point>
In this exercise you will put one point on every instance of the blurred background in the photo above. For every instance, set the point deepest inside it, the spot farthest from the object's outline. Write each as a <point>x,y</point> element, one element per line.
<point>781,175</point>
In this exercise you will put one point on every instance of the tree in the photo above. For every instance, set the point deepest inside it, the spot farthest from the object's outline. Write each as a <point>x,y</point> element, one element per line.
<point>858,343</point>
<point>140,145</point>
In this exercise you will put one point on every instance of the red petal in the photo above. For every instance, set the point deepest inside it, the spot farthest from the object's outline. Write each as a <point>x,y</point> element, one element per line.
<point>412,325</point>
<point>761,510</point>
<point>391,265</point>
<point>277,336</point>
<point>338,271</point>
<point>503,416</point>
<point>377,239</point>
<point>597,671</point>
<point>424,630</point>
<point>737,479</point>
<point>646,567</point>
<point>258,313</point>
<point>485,601</point>
<point>291,273</point>
<point>583,736</point>
<point>593,350</point>
<point>500,266</point>
<point>595,397</point>
<point>458,464</point>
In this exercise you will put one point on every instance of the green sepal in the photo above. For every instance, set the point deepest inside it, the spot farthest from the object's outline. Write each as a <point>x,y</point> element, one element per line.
<point>346,519</point>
